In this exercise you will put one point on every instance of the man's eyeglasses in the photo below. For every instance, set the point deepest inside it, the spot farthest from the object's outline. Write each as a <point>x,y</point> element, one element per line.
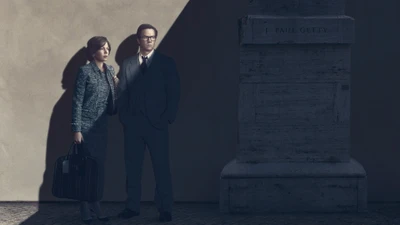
<point>144,38</point>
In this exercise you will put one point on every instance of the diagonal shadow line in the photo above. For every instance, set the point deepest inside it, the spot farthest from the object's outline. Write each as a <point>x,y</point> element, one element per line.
<point>197,26</point>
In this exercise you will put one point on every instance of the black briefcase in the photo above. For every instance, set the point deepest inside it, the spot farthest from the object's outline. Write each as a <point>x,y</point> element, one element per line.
<point>75,176</point>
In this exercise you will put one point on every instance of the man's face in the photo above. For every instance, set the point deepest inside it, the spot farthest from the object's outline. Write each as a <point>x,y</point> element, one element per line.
<point>147,40</point>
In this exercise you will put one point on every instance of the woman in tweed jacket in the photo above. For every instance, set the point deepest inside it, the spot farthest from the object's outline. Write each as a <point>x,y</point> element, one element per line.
<point>93,100</point>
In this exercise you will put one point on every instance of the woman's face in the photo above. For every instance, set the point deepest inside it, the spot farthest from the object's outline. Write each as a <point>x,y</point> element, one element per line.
<point>102,54</point>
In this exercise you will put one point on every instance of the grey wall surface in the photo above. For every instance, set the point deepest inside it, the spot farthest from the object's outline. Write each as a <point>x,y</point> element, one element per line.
<point>42,50</point>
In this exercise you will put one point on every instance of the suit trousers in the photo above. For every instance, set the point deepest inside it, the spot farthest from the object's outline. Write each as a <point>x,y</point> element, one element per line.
<point>139,133</point>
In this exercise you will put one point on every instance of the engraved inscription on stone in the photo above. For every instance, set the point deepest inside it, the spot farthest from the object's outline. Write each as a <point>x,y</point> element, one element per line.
<point>291,30</point>
<point>296,30</point>
<point>291,103</point>
<point>299,63</point>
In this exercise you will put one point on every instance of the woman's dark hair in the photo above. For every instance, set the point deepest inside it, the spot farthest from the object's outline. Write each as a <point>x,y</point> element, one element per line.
<point>143,27</point>
<point>95,43</point>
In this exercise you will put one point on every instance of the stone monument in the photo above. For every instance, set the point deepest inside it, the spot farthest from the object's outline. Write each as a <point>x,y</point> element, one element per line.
<point>294,112</point>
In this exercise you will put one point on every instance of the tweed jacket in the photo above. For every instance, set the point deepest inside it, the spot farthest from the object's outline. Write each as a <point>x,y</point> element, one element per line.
<point>86,96</point>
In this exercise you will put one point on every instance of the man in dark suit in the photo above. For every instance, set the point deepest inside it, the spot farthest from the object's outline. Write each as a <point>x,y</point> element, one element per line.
<point>149,92</point>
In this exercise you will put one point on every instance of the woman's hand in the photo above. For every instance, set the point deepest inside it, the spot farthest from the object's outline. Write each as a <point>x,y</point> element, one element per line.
<point>78,138</point>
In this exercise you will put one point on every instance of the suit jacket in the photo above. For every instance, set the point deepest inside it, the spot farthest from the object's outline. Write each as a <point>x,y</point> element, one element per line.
<point>86,94</point>
<point>162,89</point>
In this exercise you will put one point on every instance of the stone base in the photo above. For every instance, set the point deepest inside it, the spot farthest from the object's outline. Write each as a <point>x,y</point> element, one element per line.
<point>293,187</point>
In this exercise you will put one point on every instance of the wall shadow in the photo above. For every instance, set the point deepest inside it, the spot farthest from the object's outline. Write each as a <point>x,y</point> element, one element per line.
<point>203,137</point>
<point>59,138</point>
<point>374,102</point>
<point>206,120</point>
<point>127,48</point>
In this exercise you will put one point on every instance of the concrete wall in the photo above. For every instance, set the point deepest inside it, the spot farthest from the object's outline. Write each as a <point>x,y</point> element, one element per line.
<point>42,45</point>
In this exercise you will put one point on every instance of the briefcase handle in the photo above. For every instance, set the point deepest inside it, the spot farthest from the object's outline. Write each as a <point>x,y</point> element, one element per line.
<point>74,149</point>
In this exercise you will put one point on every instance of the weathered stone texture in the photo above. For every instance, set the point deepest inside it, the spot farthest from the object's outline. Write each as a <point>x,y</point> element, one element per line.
<point>295,63</point>
<point>300,142</point>
<point>299,195</point>
<point>294,112</point>
<point>293,187</point>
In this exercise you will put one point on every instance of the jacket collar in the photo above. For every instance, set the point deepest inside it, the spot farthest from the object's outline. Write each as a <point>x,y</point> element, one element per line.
<point>95,68</point>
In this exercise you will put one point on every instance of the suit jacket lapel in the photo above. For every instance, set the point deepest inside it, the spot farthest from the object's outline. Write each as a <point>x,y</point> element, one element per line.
<point>134,72</point>
<point>133,69</point>
<point>153,63</point>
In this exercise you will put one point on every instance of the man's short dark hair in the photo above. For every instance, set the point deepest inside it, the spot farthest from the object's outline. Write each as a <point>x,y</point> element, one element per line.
<point>95,43</point>
<point>145,26</point>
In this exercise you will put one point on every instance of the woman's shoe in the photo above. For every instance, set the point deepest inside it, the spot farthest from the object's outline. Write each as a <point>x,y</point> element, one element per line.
<point>85,213</point>
<point>95,208</point>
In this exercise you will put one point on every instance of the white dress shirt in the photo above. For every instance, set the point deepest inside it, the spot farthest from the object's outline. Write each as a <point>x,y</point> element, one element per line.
<point>148,56</point>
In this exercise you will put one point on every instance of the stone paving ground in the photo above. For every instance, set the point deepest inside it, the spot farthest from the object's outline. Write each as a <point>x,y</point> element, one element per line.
<point>13,213</point>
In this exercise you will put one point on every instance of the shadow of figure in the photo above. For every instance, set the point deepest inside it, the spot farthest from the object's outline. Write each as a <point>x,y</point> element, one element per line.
<point>59,139</point>
<point>128,47</point>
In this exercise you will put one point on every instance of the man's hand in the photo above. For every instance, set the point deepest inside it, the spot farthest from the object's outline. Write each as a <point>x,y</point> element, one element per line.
<point>116,80</point>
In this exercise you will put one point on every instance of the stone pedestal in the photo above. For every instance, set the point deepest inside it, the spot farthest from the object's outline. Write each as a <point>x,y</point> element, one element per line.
<point>294,112</point>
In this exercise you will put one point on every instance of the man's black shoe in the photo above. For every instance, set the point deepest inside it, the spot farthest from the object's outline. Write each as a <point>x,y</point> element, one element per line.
<point>127,213</point>
<point>165,217</point>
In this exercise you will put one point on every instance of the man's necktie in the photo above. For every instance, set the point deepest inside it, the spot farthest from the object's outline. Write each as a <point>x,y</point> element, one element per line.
<point>143,67</point>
